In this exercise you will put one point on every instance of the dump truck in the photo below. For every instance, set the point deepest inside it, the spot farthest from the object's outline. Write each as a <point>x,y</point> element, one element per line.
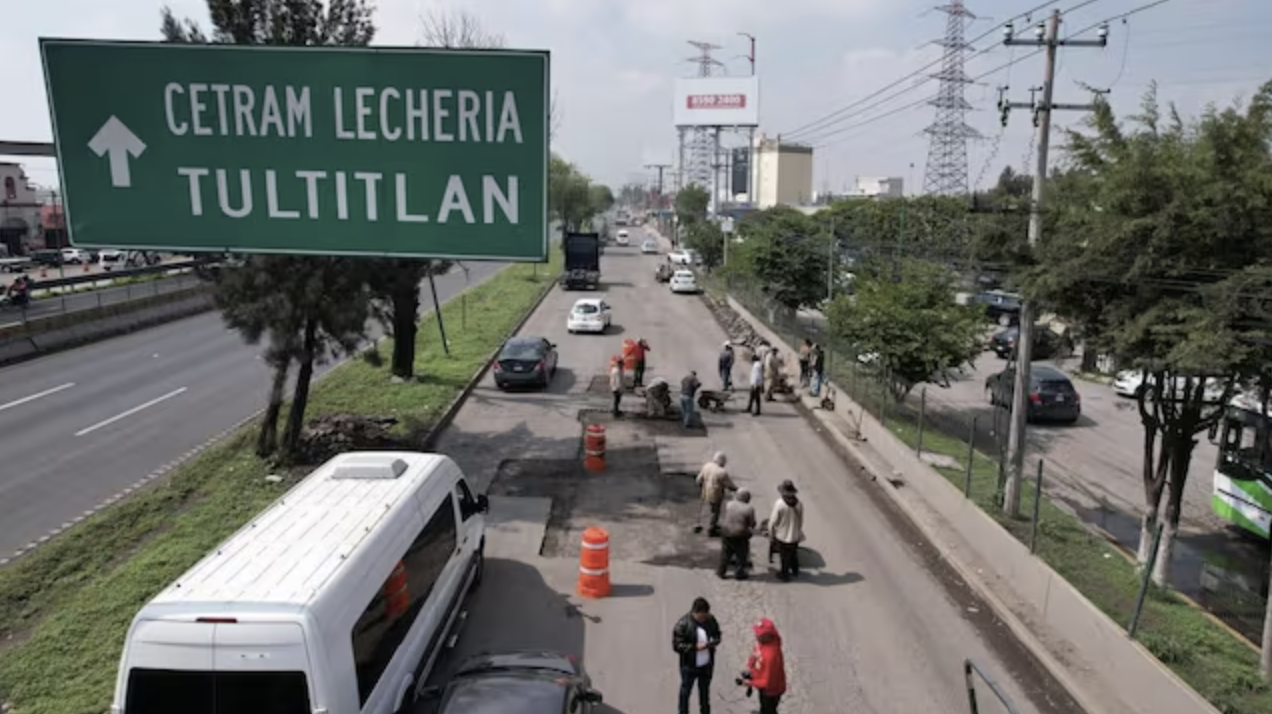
<point>582,261</point>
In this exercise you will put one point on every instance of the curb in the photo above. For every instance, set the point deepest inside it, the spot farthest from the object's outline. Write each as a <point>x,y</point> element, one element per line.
<point>444,421</point>
<point>1014,623</point>
<point>149,479</point>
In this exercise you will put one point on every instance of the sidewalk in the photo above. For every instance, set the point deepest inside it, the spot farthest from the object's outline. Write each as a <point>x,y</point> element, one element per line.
<point>1106,672</point>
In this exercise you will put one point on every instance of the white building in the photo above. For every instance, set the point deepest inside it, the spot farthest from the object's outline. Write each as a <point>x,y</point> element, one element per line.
<point>19,210</point>
<point>782,174</point>
<point>871,187</point>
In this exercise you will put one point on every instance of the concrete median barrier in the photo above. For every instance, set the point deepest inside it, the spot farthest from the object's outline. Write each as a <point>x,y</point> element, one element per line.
<point>34,338</point>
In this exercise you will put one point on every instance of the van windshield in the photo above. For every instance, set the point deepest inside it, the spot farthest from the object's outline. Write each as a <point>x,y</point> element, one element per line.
<point>164,691</point>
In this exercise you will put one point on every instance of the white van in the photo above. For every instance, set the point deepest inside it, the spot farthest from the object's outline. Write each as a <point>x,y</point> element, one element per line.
<point>622,237</point>
<point>336,599</point>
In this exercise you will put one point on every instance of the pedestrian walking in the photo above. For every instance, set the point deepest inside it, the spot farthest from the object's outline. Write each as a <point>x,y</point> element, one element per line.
<point>737,525</point>
<point>616,383</point>
<point>772,373</point>
<point>817,364</point>
<point>786,529</point>
<point>726,366</point>
<point>805,355</point>
<point>757,386</point>
<point>689,387</point>
<point>639,351</point>
<point>714,482</point>
<point>766,667</point>
<point>695,639</point>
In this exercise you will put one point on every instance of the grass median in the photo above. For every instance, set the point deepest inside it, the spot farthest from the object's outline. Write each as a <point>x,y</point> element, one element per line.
<point>65,608</point>
<point>1203,653</point>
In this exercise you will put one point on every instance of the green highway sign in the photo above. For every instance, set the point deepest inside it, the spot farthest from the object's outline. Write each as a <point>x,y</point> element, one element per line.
<point>304,150</point>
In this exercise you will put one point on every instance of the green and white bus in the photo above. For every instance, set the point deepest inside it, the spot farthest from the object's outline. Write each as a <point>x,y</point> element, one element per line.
<point>1243,474</point>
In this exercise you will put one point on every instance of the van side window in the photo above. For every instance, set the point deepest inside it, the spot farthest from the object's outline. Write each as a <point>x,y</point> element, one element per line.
<point>382,627</point>
<point>467,504</point>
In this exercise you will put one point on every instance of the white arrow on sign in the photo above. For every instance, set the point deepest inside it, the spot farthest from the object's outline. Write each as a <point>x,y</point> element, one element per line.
<point>117,142</point>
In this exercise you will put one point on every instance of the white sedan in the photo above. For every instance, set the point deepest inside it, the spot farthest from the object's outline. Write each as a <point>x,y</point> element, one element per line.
<point>649,247</point>
<point>588,315</point>
<point>684,281</point>
<point>680,257</point>
<point>1130,382</point>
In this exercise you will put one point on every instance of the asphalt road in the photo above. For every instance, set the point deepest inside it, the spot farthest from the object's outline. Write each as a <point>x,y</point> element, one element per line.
<point>874,628</point>
<point>78,427</point>
<point>75,302</point>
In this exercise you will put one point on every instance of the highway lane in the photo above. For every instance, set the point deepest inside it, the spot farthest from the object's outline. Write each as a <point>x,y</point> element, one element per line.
<point>75,302</point>
<point>871,629</point>
<point>78,427</point>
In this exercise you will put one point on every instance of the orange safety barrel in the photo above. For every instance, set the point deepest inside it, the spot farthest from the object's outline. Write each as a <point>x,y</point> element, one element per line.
<point>594,578</point>
<point>397,595</point>
<point>594,448</point>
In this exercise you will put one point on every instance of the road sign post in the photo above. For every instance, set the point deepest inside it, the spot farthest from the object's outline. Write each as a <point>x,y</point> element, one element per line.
<point>302,150</point>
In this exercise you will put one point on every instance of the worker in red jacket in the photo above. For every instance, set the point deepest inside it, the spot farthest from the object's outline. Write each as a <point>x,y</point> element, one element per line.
<point>765,667</point>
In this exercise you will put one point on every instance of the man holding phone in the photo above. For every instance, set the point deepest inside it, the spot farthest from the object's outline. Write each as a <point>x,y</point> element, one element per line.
<point>695,639</point>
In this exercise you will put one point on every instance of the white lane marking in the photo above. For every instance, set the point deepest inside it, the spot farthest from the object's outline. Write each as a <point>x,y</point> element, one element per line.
<point>130,412</point>
<point>37,395</point>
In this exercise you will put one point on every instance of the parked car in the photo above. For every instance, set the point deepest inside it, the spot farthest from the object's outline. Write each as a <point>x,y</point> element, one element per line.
<point>111,256</point>
<point>588,315</point>
<point>47,258</point>
<point>680,257</point>
<point>525,362</point>
<point>1002,307</point>
<point>75,256</point>
<point>649,247</point>
<point>1132,382</point>
<point>514,683</point>
<point>684,281</point>
<point>1052,396</point>
<point>1047,343</point>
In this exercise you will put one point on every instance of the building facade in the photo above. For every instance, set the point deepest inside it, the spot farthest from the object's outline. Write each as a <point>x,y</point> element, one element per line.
<point>892,187</point>
<point>19,210</point>
<point>782,174</point>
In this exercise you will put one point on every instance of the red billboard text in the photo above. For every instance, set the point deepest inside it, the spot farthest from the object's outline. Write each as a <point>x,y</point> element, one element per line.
<point>716,101</point>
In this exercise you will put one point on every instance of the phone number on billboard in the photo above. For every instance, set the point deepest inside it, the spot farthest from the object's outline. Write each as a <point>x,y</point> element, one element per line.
<point>716,101</point>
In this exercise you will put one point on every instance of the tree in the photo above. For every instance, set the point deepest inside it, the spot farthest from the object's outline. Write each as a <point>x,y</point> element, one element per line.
<point>307,308</point>
<point>310,309</point>
<point>911,323</point>
<point>691,204</point>
<point>570,197</point>
<point>1151,229</point>
<point>601,198</point>
<point>706,238</point>
<point>787,253</point>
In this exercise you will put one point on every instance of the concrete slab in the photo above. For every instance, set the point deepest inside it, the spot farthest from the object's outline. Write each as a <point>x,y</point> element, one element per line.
<point>515,527</point>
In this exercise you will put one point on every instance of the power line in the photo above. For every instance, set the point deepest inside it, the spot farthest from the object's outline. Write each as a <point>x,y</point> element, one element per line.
<point>829,118</point>
<point>819,141</point>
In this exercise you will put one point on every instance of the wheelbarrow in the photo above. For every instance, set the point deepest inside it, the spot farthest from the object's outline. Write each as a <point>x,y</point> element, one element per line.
<point>713,401</point>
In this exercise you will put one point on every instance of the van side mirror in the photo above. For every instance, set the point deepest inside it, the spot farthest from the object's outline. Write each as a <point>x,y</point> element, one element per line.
<point>591,696</point>
<point>483,503</point>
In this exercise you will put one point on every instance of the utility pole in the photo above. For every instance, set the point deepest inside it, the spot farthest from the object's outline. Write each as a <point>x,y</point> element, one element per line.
<point>661,168</point>
<point>1046,35</point>
<point>750,140</point>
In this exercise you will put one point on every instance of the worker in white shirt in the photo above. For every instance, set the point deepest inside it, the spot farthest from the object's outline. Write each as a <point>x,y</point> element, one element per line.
<point>757,386</point>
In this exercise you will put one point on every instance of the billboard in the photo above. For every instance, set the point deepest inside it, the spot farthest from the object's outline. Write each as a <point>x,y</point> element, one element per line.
<point>717,101</point>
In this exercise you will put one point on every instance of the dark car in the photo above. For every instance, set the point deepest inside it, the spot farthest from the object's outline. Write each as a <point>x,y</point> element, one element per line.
<point>999,305</point>
<point>1046,344</point>
<point>513,683</point>
<point>47,258</point>
<point>1051,394</point>
<point>525,362</point>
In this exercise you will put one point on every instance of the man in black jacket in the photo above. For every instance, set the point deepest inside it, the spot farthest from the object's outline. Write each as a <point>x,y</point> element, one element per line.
<point>695,639</point>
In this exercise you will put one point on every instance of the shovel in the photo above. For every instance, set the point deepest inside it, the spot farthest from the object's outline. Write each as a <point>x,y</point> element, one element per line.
<point>698,528</point>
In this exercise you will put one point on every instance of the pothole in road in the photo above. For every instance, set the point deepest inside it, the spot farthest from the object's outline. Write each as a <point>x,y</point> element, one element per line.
<point>650,516</point>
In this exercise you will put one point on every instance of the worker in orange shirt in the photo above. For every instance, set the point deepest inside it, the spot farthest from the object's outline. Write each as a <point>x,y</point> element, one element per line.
<point>638,355</point>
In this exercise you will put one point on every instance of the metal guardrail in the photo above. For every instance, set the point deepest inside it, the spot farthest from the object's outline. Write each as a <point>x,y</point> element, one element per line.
<point>971,670</point>
<point>86,278</point>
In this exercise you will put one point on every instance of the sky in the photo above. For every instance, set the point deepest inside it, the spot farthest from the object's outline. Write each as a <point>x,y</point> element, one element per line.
<point>614,63</point>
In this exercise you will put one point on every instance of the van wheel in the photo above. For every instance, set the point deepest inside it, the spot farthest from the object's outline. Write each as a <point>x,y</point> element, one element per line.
<point>480,567</point>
